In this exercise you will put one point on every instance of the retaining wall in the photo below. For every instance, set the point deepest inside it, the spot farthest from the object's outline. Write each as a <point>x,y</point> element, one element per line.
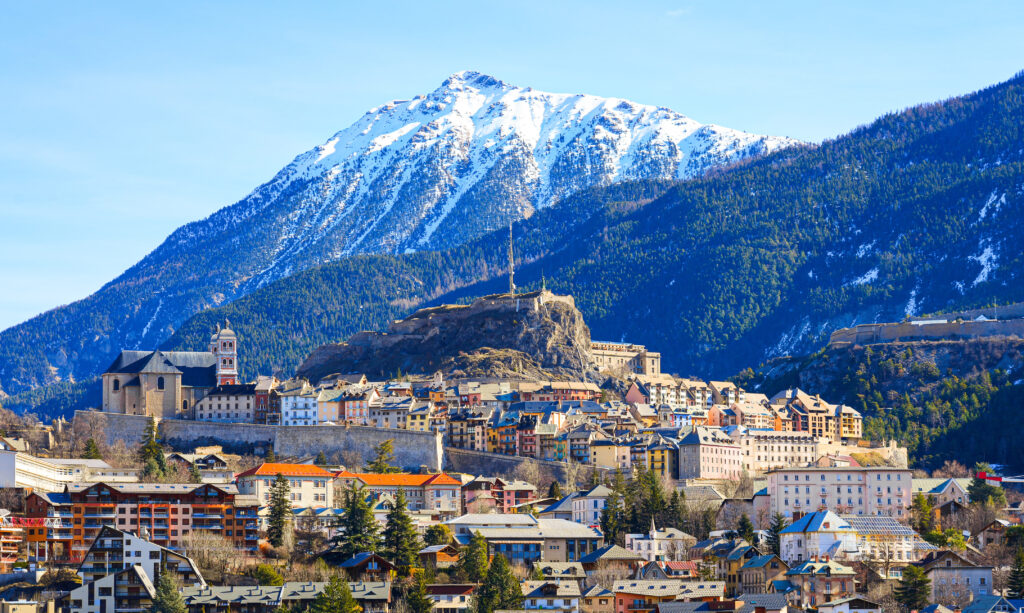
<point>412,449</point>
<point>486,463</point>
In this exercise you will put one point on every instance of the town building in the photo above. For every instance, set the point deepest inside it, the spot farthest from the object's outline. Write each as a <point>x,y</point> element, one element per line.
<point>955,578</point>
<point>821,581</point>
<point>436,493</point>
<point>298,403</point>
<point>228,403</point>
<point>558,596</point>
<point>625,357</point>
<point>310,485</point>
<point>817,535</point>
<point>877,490</point>
<point>588,506</point>
<point>708,453</point>
<point>524,539</point>
<point>114,550</point>
<point>661,545</point>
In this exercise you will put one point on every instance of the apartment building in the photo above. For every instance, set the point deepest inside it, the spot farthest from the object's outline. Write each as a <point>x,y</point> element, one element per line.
<point>708,453</point>
<point>311,486</point>
<point>228,404</point>
<point>436,493</point>
<point>114,550</point>
<point>878,490</point>
<point>524,539</point>
<point>812,414</point>
<point>817,535</point>
<point>656,545</point>
<point>618,357</point>
<point>298,404</point>
<point>167,512</point>
<point>765,450</point>
<point>588,506</point>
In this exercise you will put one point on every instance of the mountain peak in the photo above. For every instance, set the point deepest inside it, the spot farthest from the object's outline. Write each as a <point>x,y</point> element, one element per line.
<point>472,78</point>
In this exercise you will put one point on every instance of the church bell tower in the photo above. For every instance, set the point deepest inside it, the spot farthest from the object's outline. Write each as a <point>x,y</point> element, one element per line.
<point>224,347</point>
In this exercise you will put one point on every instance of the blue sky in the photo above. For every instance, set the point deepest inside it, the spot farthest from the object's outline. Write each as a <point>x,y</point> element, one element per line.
<point>121,121</point>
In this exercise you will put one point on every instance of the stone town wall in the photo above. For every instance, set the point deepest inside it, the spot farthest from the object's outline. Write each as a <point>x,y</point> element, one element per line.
<point>412,449</point>
<point>486,463</point>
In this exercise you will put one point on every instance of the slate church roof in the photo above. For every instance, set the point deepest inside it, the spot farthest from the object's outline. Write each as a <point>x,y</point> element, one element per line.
<point>197,368</point>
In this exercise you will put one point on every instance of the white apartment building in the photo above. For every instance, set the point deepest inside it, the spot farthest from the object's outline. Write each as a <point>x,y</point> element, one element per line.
<point>877,490</point>
<point>818,535</point>
<point>588,506</point>
<point>661,545</point>
<point>311,486</point>
<point>764,450</point>
<point>436,493</point>
<point>299,407</point>
<point>562,596</point>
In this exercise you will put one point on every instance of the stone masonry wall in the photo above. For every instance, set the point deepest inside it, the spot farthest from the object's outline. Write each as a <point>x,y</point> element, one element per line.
<point>412,449</point>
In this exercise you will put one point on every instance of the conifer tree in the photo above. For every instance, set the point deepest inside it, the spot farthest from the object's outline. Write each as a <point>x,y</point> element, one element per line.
<point>335,598</point>
<point>1015,582</point>
<point>151,454</point>
<point>913,589</point>
<point>473,562</point>
<point>745,529</point>
<point>401,541</point>
<point>269,455</point>
<point>555,490</point>
<point>194,475</point>
<point>280,510</point>
<point>500,589</point>
<point>383,456</point>
<point>359,530</point>
<point>611,518</point>
<point>321,459</point>
<point>418,600</point>
<point>92,450</point>
<point>167,598</point>
<point>779,524</point>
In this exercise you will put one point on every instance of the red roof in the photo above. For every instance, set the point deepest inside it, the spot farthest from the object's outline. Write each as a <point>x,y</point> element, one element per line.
<point>395,480</point>
<point>271,469</point>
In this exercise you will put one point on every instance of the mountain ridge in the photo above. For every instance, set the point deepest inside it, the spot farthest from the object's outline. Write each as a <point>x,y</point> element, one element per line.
<point>429,173</point>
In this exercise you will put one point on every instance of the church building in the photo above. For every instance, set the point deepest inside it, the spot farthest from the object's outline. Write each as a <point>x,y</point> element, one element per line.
<point>168,384</point>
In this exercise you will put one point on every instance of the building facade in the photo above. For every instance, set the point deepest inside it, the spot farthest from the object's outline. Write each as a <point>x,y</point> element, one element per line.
<point>795,492</point>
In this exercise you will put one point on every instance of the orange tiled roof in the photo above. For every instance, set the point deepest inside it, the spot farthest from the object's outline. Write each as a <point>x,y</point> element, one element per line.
<point>270,469</point>
<point>395,480</point>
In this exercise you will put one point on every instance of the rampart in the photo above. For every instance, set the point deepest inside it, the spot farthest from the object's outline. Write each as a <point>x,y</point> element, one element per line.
<point>486,463</point>
<point>866,334</point>
<point>412,449</point>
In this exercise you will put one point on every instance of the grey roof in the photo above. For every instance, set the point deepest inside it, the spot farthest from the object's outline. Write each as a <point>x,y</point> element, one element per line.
<point>564,589</point>
<point>610,552</point>
<point>877,524</point>
<point>197,368</point>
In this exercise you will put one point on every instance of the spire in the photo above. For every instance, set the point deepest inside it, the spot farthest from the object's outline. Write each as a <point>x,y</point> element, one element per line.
<point>511,263</point>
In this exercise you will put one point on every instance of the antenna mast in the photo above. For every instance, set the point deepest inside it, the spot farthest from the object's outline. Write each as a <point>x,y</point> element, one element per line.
<point>511,263</point>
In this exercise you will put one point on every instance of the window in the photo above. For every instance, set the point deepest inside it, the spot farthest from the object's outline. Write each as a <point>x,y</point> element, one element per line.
<point>117,385</point>
<point>159,383</point>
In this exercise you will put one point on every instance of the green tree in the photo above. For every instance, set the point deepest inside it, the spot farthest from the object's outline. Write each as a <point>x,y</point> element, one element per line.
<point>280,510</point>
<point>500,588</point>
<point>336,598</point>
<point>921,511</point>
<point>537,573</point>
<point>359,530</point>
<point>265,574</point>
<point>194,475</point>
<point>612,518</point>
<point>913,589</point>
<point>151,454</point>
<point>779,524</point>
<point>555,490</point>
<point>473,562</point>
<point>418,600</point>
<point>321,459</point>
<point>745,529</point>
<point>383,456</point>
<point>401,540</point>
<point>954,539</point>
<point>1015,582</point>
<point>167,598</point>
<point>92,450</point>
<point>981,490</point>
<point>269,455</point>
<point>438,534</point>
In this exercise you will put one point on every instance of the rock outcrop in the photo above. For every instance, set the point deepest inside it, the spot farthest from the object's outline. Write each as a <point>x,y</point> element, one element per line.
<point>538,335</point>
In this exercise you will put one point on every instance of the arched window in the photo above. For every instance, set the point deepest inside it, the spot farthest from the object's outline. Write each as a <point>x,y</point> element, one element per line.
<point>184,405</point>
<point>159,383</point>
<point>117,385</point>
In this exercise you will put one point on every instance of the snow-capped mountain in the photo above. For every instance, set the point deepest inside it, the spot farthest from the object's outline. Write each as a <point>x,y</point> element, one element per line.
<point>467,158</point>
<point>427,173</point>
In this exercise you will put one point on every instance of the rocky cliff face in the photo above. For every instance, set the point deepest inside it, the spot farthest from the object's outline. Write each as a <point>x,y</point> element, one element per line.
<point>533,336</point>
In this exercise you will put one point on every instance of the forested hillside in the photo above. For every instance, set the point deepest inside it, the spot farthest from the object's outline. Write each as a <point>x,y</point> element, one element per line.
<point>917,212</point>
<point>944,399</point>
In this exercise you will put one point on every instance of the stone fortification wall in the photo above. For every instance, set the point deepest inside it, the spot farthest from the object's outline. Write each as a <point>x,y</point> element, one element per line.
<point>486,463</point>
<point>885,333</point>
<point>412,449</point>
